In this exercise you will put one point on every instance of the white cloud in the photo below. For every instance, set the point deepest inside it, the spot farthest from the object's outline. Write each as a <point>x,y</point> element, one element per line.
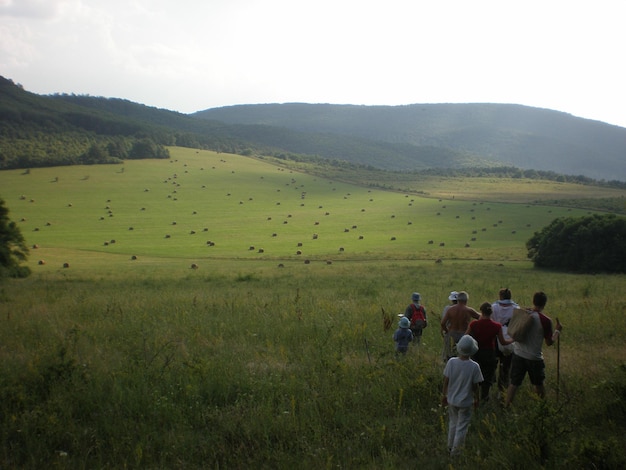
<point>194,54</point>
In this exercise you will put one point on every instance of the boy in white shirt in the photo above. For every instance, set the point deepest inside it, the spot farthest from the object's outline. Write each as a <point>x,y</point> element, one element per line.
<point>461,381</point>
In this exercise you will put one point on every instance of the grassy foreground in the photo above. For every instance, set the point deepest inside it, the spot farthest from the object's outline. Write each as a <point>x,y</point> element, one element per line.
<point>129,358</point>
<point>243,364</point>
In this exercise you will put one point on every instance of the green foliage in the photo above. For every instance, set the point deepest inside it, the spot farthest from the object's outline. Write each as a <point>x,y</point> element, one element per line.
<point>13,249</point>
<point>587,244</point>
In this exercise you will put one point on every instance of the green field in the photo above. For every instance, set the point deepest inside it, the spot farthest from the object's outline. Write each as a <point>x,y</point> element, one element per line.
<point>117,362</point>
<point>250,209</point>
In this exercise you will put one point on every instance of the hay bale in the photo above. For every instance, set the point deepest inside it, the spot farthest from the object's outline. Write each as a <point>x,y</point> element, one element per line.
<point>194,266</point>
<point>66,265</point>
<point>41,262</point>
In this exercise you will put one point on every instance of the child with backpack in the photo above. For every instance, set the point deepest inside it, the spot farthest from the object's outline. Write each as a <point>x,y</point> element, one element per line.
<point>416,313</point>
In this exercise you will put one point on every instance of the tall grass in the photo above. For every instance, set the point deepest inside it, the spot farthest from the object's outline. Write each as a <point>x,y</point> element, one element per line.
<point>272,368</point>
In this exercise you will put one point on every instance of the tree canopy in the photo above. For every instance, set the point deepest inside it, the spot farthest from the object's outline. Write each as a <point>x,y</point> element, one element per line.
<point>589,244</point>
<point>13,249</point>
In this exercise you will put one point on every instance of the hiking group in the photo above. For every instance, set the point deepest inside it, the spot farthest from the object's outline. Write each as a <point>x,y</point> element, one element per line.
<point>500,345</point>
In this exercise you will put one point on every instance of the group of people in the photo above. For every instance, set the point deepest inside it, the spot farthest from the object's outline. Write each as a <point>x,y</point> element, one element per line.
<point>476,346</point>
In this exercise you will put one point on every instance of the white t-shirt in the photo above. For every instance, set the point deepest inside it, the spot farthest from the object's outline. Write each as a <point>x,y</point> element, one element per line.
<point>462,375</point>
<point>502,313</point>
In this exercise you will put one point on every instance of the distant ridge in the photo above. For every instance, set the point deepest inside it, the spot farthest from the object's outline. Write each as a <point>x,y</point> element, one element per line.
<point>510,134</point>
<point>48,130</point>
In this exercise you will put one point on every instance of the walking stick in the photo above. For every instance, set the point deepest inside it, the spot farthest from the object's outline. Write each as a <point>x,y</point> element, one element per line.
<point>558,362</point>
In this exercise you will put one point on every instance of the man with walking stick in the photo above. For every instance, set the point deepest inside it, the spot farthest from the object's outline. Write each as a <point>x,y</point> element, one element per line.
<point>527,352</point>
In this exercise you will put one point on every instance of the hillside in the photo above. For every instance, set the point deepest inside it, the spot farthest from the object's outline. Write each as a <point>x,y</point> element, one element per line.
<point>525,137</point>
<point>51,130</point>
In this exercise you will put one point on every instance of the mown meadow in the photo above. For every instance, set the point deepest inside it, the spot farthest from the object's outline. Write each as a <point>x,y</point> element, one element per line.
<point>266,358</point>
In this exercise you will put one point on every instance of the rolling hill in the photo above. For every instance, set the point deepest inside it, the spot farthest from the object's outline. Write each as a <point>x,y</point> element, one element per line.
<point>521,136</point>
<point>49,130</point>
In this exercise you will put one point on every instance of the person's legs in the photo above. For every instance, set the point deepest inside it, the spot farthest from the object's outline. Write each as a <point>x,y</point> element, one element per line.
<point>504,371</point>
<point>446,350</point>
<point>488,366</point>
<point>453,416</point>
<point>462,425</point>
<point>537,376</point>
<point>518,372</point>
<point>510,394</point>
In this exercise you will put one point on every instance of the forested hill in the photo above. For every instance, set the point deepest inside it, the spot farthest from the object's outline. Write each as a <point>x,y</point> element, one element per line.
<point>47,130</point>
<point>521,136</point>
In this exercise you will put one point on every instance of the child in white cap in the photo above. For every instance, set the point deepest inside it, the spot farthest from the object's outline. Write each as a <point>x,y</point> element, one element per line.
<point>461,381</point>
<point>403,336</point>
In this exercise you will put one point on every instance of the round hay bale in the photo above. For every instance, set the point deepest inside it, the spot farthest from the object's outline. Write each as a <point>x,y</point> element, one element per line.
<point>66,265</point>
<point>41,262</point>
<point>35,246</point>
<point>307,261</point>
<point>134,257</point>
<point>194,266</point>
<point>442,244</point>
<point>438,261</point>
<point>281,265</point>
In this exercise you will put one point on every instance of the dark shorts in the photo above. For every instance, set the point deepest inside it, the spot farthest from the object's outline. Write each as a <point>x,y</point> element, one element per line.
<point>520,366</point>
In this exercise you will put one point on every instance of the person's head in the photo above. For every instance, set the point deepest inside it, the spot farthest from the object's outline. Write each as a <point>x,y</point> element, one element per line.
<point>452,296</point>
<point>505,294</point>
<point>485,309</point>
<point>462,297</point>
<point>467,346</point>
<point>415,297</point>
<point>404,322</point>
<point>540,299</point>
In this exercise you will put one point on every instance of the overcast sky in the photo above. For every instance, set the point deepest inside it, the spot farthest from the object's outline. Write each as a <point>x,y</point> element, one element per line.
<point>190,55</point>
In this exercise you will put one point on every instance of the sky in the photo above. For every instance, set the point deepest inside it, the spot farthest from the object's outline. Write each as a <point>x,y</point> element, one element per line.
<point>191,55</point>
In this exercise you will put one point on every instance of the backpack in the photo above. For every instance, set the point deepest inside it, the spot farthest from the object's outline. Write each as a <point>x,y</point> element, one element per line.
<point>418,317</point>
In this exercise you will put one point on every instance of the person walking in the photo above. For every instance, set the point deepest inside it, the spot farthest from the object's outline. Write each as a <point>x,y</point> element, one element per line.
<point>502,313</point>
<point>528,354</point>
<point>403,336</point>
<point>486,331</point>
<point>416,313</point>
<point>461,381</point>
<point>456,321</point>
<point>446,350</point>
